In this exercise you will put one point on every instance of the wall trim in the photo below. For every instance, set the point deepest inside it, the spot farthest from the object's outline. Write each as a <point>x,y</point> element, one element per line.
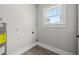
<point>19,52</point>
<point>53,49</point>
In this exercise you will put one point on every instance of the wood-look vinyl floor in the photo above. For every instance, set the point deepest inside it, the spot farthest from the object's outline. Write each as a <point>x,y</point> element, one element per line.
<point>37,50</point>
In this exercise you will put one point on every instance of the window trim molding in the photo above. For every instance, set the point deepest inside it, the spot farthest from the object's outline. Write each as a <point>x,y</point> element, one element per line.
<point>54,25</point>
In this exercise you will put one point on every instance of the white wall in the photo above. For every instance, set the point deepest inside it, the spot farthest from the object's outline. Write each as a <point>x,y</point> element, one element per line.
<point>63,38</point>
<point>22,17</point>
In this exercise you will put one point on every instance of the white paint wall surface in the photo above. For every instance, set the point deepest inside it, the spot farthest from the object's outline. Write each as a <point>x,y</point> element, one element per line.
<point>22,17</point>
<point>63,38</point>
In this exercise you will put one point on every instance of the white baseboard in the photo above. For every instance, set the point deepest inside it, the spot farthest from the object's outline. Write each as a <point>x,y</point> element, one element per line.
<point>24,49</point>
<point>53,49</point>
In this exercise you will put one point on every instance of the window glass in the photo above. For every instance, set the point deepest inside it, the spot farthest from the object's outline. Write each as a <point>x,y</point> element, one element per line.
<point>53,15</point>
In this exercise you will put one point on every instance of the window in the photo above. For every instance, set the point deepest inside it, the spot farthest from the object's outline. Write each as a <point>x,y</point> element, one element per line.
<point>54,15</point>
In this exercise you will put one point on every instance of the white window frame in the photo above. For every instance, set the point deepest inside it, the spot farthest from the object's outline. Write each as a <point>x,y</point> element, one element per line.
<point>63,17</point>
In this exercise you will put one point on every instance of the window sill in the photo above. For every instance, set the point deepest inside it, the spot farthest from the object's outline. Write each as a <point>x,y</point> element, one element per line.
<point>62,25</point>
